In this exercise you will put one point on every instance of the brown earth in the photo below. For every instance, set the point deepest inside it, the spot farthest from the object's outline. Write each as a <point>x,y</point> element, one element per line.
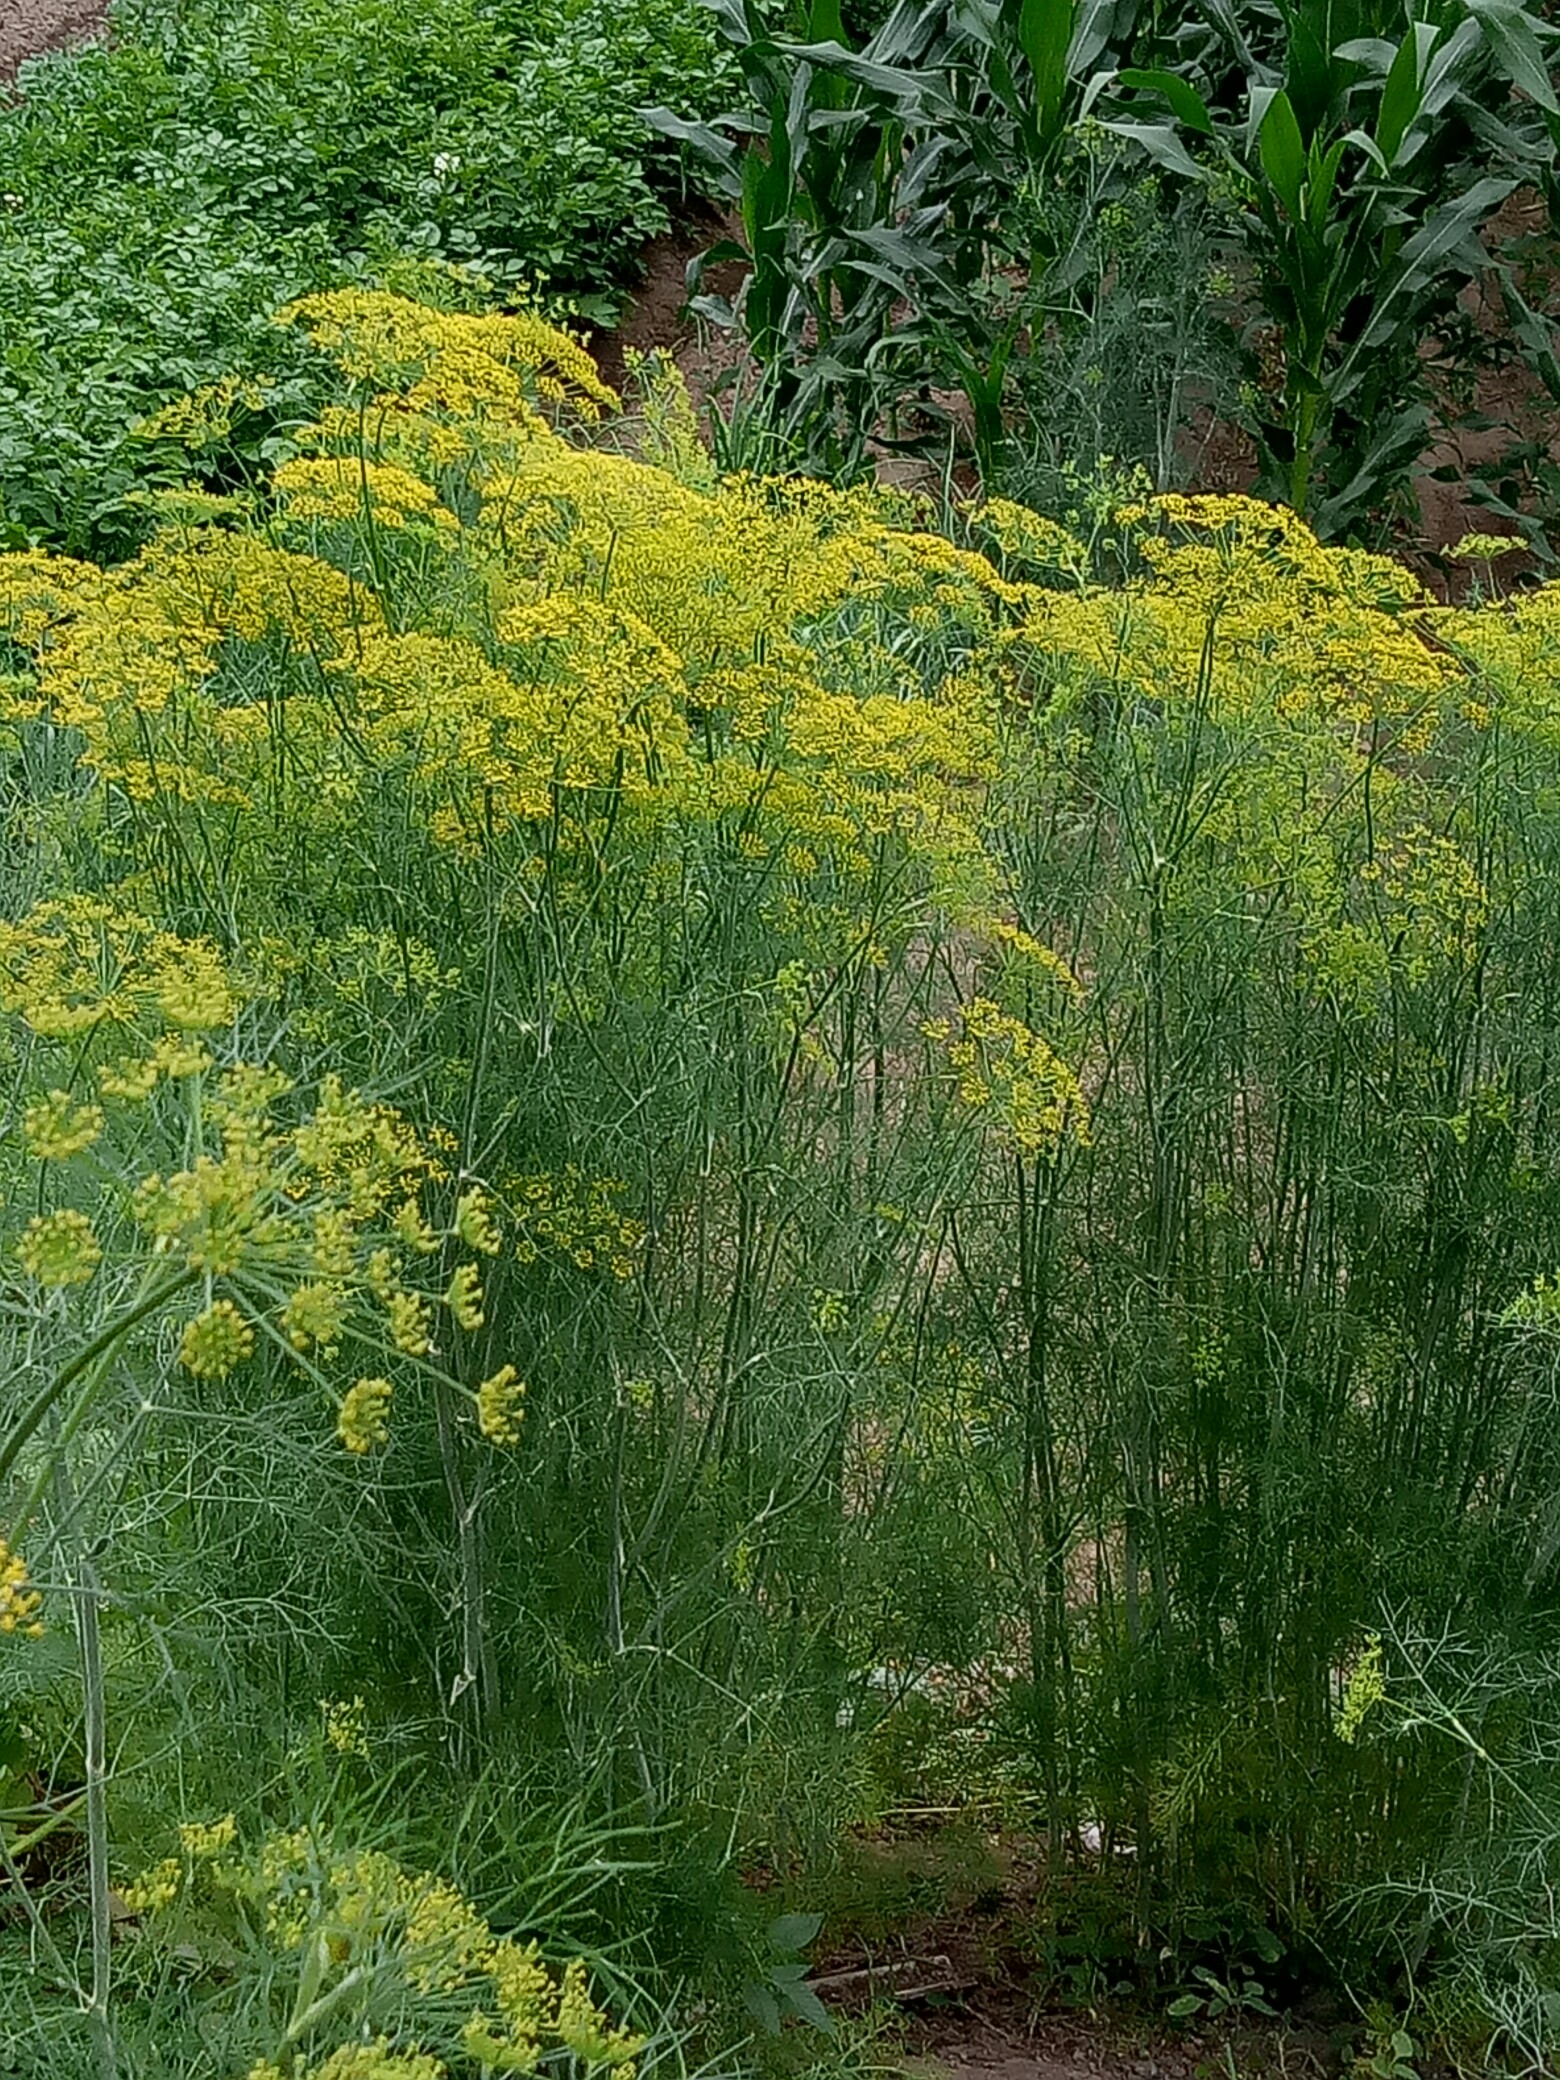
<point>30,26</point>
<point>656,313</point>
<point>950,2011</point>
<point>936,1945</point>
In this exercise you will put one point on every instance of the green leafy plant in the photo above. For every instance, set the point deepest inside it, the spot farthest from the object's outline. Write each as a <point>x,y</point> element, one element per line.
<point>1389,2053</point>
<point>1348,173</point>
<point>870,184</point>
<point>165,192</point>
<point>782,1994</point>
<point>1214,1999</point>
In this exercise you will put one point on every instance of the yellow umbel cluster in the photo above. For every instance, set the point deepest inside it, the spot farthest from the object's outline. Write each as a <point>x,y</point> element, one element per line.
<point>360,1916</point>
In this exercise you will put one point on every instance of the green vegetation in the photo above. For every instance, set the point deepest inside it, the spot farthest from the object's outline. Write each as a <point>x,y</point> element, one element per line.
<point>1353,155</point>
<point>161,197</point>
<point>740,1210</point>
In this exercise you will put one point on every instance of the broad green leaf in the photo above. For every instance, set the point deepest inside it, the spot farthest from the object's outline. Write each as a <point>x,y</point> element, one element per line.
<point>1451,232</point>
<point>1401,96</point>
<point>1319,189</point>
<point>811,2009</point>
<point>764,2008</point>
<point>1373,52</point>
<point>1161,144</point>
<point>1283,153</point>
<point>1369,146</point>
<point>1258,101</point>
<point>1311,80</point>
<point>1452,225</point>
<point>734,24</point>
<point>789,1932</point>
<point>1513,36</point>
<point>825,23</point>
<point>1091,34</point>
<point>1186,103</point>
<point>1393,449</point>
<point>1096,85</point>
<point>913,92</point>
<point>754,168</point>
<point>716,151</point>
<point>1447,69</point>
<point>1045,30</point>
<point>724,249</point>
<point>1226,18</point>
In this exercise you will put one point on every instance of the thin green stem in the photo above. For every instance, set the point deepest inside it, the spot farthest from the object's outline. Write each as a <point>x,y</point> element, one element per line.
<point>91,1359</point>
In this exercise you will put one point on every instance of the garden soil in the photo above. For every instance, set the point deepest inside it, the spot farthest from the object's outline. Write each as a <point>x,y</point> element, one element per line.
<point>29,26</point>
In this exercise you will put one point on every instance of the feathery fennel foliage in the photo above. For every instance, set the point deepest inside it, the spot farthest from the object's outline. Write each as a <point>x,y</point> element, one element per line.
<point>635,1094</point>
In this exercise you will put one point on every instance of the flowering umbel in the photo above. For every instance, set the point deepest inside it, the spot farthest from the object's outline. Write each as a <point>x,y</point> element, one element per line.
<point>20,1602</point>
<point>364,1420</point>
<point>501,1406</point>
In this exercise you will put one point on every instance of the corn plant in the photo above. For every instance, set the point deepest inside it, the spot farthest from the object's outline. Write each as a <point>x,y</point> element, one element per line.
<point>870,185</point>
<point>1349,170</point>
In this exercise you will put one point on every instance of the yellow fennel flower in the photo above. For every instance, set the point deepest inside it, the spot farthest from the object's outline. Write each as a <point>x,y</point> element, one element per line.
<point>444,1938</point>
<point>157,1888</point>
<point>314,1314</point>
<point>463,1296</point>
<point>408,1314</point>
<point>216,1341</point>
<point>130,1077</point>
<point>585,2030</point>
<point>1485,547</point>
<point>60,1249</point>
<point>377,2061</point>
<point>364,1418</point>
<point>382,1270</point>
<point>414,1231</point>
<point>334,1237</point>
<point>474,1222</point>
<point>501,1406</point>
<point>193,991</point>
<point>176,1055</point>
<point>345,1720</point>
<point>20,1602</point>
<point>56,1127</point>
<point>203,1839</point>
<point>1366,1688</point>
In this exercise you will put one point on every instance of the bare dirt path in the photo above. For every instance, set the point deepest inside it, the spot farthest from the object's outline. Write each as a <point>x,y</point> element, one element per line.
<point>29,26</point>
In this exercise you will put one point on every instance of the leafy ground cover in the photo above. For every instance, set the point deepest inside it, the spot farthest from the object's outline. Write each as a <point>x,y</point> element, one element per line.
<point>165,192</point>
